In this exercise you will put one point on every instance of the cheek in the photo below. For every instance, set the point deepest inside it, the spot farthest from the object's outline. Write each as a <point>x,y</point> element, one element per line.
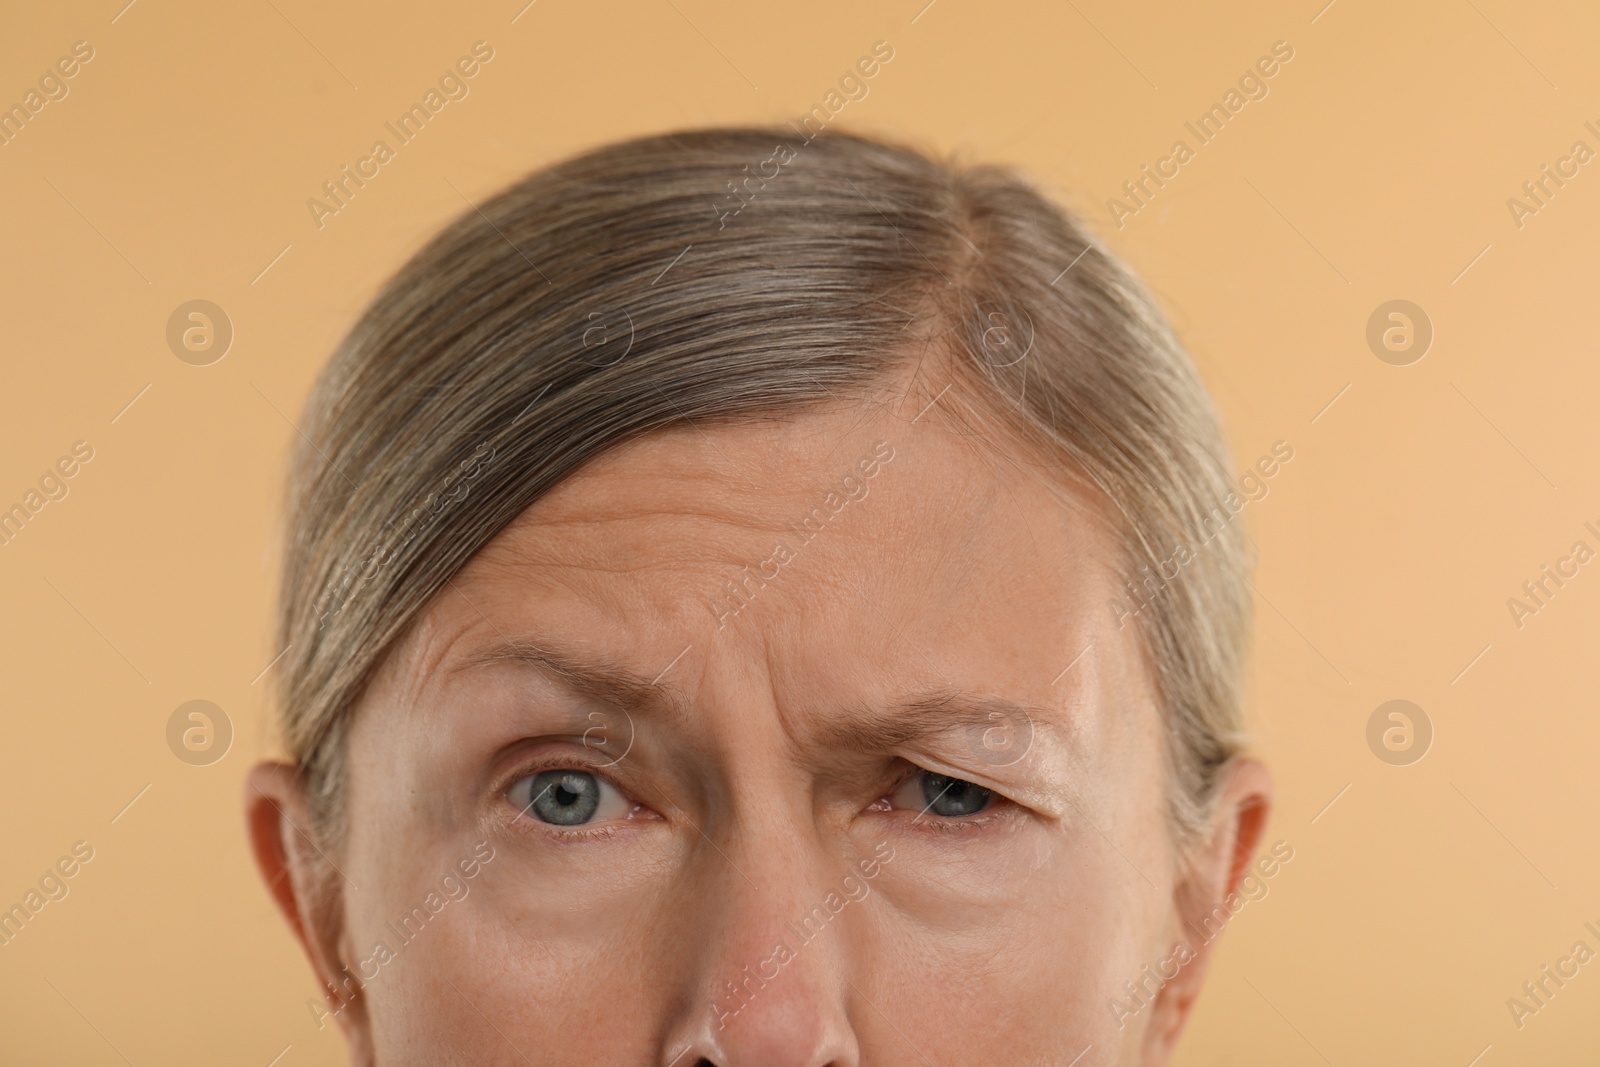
<point>587,991</point>
<point>1012,956</point>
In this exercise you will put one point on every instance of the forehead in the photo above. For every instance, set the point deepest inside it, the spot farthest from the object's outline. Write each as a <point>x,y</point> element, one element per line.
<point>834,558</point>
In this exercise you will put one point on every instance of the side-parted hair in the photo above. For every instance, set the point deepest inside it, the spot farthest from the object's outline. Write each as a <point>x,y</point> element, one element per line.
<point>728,275</point>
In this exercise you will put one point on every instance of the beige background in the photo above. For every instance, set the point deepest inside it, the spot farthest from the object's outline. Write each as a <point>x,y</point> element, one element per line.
<point>1378,167</point>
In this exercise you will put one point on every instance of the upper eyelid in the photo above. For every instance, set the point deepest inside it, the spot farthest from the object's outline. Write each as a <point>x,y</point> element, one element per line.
<point>995,793</point>
<point>958,773</point>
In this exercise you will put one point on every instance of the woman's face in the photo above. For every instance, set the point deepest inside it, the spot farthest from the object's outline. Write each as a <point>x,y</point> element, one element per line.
<point>790,744</point>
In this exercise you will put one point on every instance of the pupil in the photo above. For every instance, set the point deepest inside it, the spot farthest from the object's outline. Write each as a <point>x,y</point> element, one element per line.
<point>565,798</point>
<point>952,797</point>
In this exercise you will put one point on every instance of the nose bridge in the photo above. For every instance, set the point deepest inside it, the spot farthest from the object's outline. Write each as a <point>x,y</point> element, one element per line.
<point>773,986</point>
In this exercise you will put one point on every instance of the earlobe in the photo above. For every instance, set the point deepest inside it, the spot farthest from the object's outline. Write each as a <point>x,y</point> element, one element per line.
<point>1207,895</point>
<point>278,819</point>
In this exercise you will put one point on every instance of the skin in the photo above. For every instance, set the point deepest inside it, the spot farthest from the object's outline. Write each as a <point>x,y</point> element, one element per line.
<point>761,777</point>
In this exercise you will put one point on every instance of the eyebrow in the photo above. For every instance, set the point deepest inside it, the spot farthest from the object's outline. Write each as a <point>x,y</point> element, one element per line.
<point>931,713</point>
<point>599,677</point>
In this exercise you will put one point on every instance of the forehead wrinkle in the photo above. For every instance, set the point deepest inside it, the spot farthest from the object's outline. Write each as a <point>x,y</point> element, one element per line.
<point>590,536</point>
<point>599,676</point>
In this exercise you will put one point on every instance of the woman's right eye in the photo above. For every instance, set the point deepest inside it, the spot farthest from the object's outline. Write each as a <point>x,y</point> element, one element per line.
<point>568,797</point>
<point>950,798</point>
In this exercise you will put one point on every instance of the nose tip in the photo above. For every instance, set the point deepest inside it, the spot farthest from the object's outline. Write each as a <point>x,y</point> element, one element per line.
<point>768,955</point>
<point>690,1057</point>
<point>790,1008</point>
<point>799,1032</point>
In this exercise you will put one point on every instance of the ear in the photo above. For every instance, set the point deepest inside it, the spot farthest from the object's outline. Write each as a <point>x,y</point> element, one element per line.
<point>308,891</point>
<point>1202,895</point>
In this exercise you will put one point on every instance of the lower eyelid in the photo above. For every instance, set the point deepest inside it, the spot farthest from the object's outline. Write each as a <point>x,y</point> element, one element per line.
<point>523,823</point>
<point>1000,810</point>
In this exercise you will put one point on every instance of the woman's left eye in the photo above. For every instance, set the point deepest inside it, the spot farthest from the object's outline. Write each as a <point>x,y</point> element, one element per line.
<point>568,797</point>
<point>942,795</point>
